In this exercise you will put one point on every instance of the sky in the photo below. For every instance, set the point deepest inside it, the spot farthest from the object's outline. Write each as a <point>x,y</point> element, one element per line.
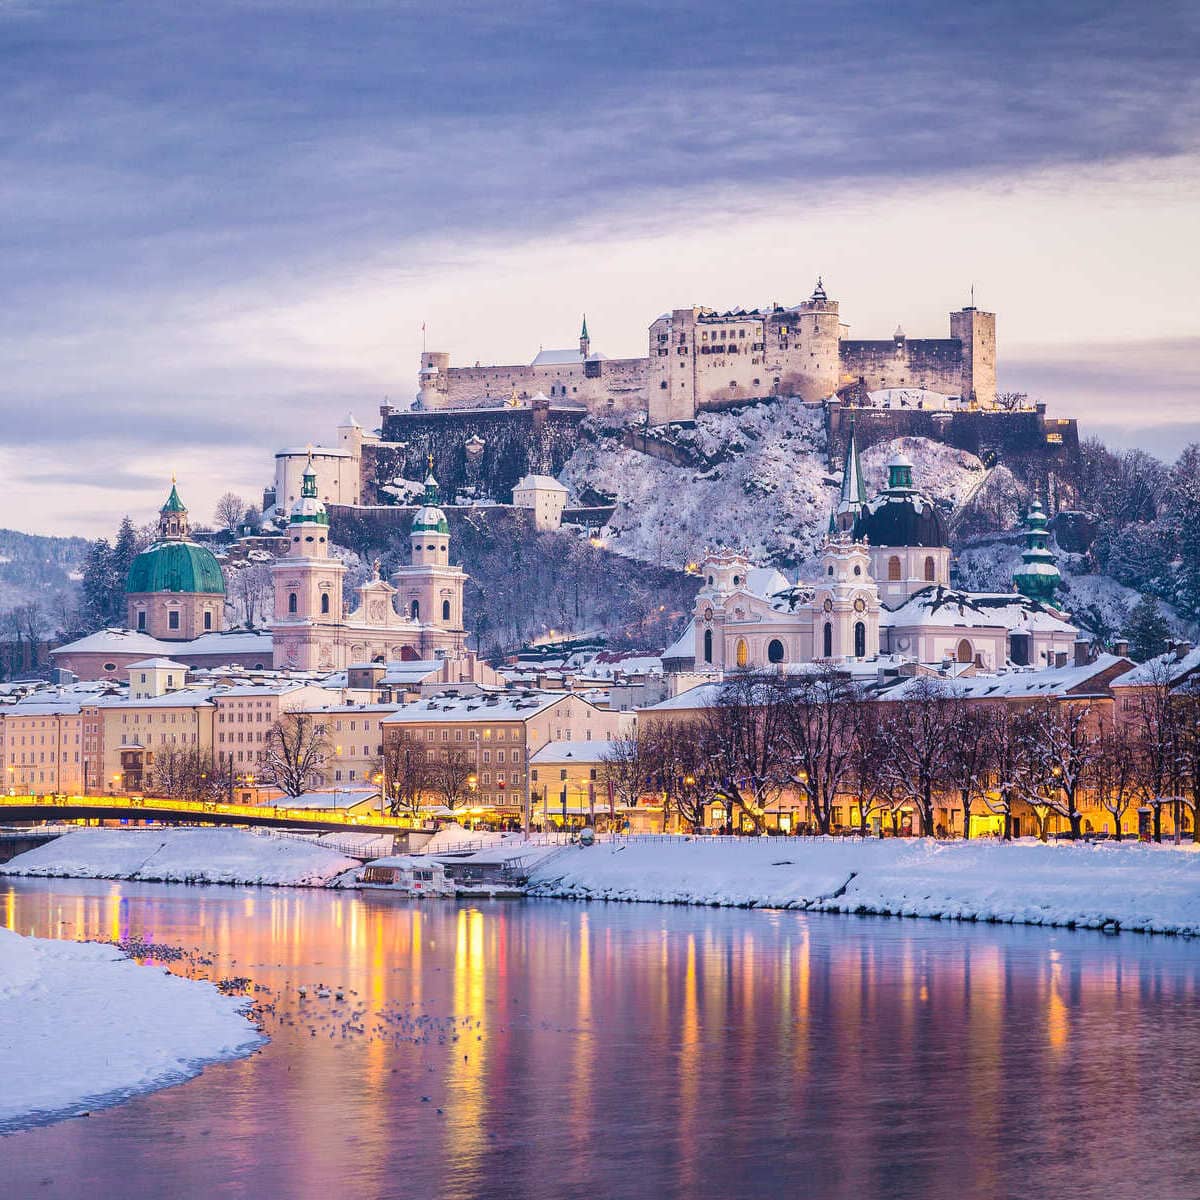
<point>222,226</point>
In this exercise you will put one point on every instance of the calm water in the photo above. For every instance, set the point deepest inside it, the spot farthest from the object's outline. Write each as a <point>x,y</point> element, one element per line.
<point>628,1051</point>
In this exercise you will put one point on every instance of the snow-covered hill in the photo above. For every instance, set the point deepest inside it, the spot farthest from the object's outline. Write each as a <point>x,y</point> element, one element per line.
<point>761,484</point>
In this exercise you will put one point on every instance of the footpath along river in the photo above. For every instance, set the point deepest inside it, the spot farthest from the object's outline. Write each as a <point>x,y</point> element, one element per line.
<point>547,1049</point>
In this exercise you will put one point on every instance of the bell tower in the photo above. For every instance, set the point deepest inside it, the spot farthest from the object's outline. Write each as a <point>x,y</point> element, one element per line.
<point>845,603</point>
<point>430,589</point>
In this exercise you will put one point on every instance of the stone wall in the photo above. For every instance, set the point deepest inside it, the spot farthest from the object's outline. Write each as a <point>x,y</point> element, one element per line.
<point>933,363</point>
<point>487,450</point>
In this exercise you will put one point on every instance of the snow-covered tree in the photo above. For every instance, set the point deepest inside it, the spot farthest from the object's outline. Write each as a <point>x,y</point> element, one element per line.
<point>1146,630</point>
<point>295,753</point>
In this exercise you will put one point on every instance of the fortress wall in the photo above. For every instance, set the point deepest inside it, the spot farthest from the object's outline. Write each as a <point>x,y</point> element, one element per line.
<point>620,384</point>
<point>934,363</point>
<point>516,441</point>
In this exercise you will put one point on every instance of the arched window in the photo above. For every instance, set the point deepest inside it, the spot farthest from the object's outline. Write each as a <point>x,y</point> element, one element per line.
<point>708,645</point>
<point>445,610</point>
<point>929,572</point>
<point>775,651</point>
<point>964,652</point>
<point>293,602</point>
<point>828,647</point>
<point>894,567</point>
<point>324,602</point>
<point>743,654</point>
<point>860,640</point>
<point>829,569</point>
<point>857,569</point>
<point>415,610</point>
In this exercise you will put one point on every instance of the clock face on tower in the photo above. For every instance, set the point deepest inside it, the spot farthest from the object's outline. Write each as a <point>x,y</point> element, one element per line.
<point>708,614</point>
<point>828,604</point>
<point>860,605</point>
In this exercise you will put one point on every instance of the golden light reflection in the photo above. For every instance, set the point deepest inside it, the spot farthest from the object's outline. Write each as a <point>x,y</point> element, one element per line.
<point>466,1093</point>
<point>1057,1013</point>
<point>585,1041</point>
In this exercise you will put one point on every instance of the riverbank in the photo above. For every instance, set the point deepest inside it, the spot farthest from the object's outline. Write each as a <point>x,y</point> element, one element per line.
<point>1154,889</point>
<point>183,856</point>
<point>82,1026</point>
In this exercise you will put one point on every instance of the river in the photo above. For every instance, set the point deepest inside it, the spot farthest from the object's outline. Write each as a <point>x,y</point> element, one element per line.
<point>547,1049</point>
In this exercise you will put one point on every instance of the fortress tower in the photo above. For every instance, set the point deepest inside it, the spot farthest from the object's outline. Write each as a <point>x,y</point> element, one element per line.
<point>976,331</point>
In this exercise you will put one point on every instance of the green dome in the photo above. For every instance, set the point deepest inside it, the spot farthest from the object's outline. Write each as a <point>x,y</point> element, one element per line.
<point>175,567</point>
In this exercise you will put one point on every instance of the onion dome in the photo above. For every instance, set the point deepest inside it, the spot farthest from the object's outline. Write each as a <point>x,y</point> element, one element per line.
<point>900,515</point>
<point>1038,577</point>
<point>175,563</point>
<point>430,518</point>
<point>308,509</point>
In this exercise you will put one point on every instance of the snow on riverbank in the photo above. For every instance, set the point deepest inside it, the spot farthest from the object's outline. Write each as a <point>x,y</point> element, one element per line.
<point>183,856</point>
<point>1131,886</point>
<point>82,1026</point>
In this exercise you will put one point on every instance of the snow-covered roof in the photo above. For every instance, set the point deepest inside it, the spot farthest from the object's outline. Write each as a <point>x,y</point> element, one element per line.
<point>157,664</point>
<point>333,798</point>
<point>405,861</point>
<point>766,581</point>
<point>39,705</point>
<point>562,752</point>
<point>1051,681</point>
<point>129,641</point>
<point>685,646</point>
<point>557,358</point>
<point>544,482</point>
<point>313,452</point>
<point>1170,667</point>
<point>703,695</point>
<point>184,698</point>
<point>514,706</point>
<point>948,608</point>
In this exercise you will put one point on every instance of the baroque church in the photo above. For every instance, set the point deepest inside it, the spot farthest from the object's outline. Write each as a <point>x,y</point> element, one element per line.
<point>175,603</point>
<point>882,592</point>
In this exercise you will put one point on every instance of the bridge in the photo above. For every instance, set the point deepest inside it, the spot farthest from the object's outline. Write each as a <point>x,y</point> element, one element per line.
<point>191,812</point>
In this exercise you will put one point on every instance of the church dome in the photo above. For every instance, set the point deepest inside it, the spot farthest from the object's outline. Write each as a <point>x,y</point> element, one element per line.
<point>900,515</point>
<point>430,518</point>
<point>175,566</point>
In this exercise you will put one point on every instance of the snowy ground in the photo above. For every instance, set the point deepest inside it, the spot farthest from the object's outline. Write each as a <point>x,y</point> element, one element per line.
<point>182,856</point>
<point>83,1026</point>
<point>1152,888</point>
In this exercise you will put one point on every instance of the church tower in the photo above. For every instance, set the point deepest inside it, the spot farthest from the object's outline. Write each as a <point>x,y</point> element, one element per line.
<point>1038,577</point>
<point>853,498</point>
<point>585,342</point>
<point>430,589</point>
<point>845,603</point>
<point>308,586</point>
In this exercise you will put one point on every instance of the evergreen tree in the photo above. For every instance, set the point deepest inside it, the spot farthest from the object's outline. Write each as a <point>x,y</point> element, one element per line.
<point>1146,630</point>
<point>127,547</point>
<point>96,587</point>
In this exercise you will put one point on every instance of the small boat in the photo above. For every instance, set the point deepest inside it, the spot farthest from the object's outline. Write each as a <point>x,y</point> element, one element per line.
<point>407,875</point>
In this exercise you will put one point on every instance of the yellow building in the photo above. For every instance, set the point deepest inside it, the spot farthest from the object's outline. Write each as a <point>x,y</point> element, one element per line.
<point>43,746</point>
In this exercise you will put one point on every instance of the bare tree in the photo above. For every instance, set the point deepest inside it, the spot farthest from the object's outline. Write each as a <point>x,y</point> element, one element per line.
<point>185,774</point>
<point>1160,735</point>
<point>294,754</point>
<point>1187,714</point>
<point>407,780</point>
<point>1116,774</point>
<point>626,765</point>
<point>866,773</point>
<point>449,775</point>
<point>920,727</point>
<point>680,764</point>
<point>1011,401</point>
<point>1064,747</point>
<point>746,727</point>
<point>253,593</point>
<point>1010,756</point>
<point>229,510</point>
<point>818,724</point>
<point>968,753</point>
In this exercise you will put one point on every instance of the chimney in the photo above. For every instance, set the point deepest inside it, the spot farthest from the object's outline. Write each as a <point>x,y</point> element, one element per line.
<point>1083,652</point>
<point>1182,650</point>
<point>1060,658</point>
<point>1120,648</point>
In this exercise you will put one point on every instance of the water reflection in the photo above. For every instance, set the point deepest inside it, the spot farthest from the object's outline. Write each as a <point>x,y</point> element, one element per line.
<point>554,1050</point>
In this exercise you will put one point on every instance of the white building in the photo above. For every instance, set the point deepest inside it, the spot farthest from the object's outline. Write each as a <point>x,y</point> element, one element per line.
<point>545,495</point>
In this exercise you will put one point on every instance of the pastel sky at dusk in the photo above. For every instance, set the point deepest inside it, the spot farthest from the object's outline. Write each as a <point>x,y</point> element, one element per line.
<point>222,225</point>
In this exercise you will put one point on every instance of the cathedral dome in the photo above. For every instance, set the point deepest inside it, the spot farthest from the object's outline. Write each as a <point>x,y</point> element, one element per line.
<point>176,566</point>
<point>900,515</point>
<point>430,518</point>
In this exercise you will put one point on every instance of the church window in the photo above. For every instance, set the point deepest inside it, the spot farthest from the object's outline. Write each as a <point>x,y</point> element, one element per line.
<point>415,610</point>
<point>964,652</point>
<point>663,385</point>
<point>894,567</point>
<point>445,610</point>
<point>858,570</point>
<point>860,639</point>
<point>309,538</point>
<point>829,569</point>
<point>325,602</point>
<point>929,575</point>
<point>708,646</point>
<point>743,654</point>
<point>173,619</point>
<point>296,538</point>
<point>207,619</point>
<point>293,602</point>
<point>828,641</point>
<point>775,651</point>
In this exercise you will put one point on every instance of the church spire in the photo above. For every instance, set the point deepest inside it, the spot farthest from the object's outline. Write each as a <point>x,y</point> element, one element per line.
<point>172,517</point>
<point>585,342</point>
<point>853,497</point>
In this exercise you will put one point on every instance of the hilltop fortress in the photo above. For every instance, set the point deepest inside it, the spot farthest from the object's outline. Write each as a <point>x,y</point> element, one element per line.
<point>490,427</point>
<point>698,359</point>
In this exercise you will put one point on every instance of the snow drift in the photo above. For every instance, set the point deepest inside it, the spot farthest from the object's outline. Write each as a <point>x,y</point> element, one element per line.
<point>1130,886</point>
<point>83,1026</point>
<point>183,856</point>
